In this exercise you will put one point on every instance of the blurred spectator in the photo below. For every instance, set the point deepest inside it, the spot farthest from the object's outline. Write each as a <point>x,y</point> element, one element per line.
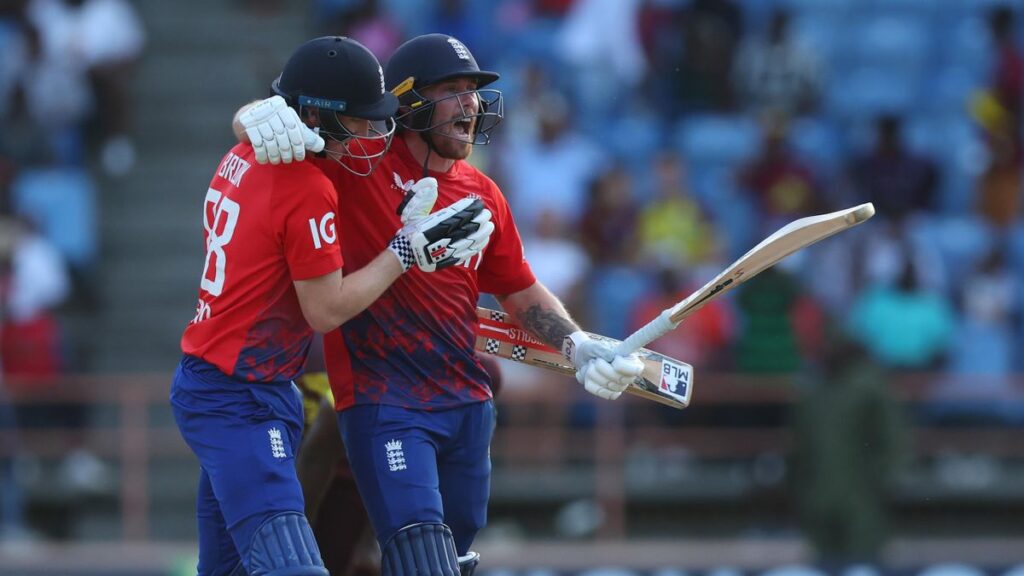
<point>660,28</point>
<point>606,65</point>
<point>372,27</point>
<point>102,41</point>
<point>33,282</point>
<point>768,342</point>
<point>674,228</point>
<point>526,109</point>
<point>706,341</point>
<point>783,185</point>
<point>898,182</point>
<point>48,94</point>
<point>609,220</point>
<point>557,260</point>
<point>61,203</point>
<point>979,387</point>
<point>551,172</point>
<point>998,111</point>
<point>608,228</point>
<point>712,30</point>
<point>849,440</point>
<point>901,325</point>
<point>1008,77</point>
<point>776,73</point>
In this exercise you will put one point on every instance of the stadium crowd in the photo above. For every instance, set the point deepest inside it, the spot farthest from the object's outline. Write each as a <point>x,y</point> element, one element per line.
<point>649,143</point>
<point>646,144</point>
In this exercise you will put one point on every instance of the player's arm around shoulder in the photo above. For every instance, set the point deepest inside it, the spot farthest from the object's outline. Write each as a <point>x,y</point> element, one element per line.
<point>428,240</point>
<point>330,300</point>
<point>275,131</point>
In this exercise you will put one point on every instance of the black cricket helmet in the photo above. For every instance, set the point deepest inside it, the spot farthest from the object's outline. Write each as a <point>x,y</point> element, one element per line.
<point>431,59</point>
<point>333,76</point>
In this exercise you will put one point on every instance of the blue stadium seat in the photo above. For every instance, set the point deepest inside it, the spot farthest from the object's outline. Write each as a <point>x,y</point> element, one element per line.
<point>715,139</point>
<point>870,91</point>
<point>818,141</point>
<point>891,42</point>
<point>822,7</point>
<point>967,44</point>
<point>916,8</point>
<point>953,142</point>
<point>823,35</point>
<point>62,202</point>
<point>961,240</point>
<point>950,90</point>
<point>634,138</point>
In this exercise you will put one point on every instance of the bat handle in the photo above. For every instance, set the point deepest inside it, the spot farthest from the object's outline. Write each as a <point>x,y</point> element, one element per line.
<point>649,332</point>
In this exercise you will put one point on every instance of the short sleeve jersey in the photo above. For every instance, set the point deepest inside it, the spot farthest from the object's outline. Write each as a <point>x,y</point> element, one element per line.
<point>413,347</point>
<point>265,227</point>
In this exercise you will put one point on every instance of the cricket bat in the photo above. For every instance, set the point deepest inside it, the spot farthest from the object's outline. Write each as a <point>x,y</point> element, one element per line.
<point>788,239</point>
<point>664,380</point>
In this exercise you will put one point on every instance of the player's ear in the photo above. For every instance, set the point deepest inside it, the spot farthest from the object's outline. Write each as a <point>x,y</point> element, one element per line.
<point>310,116</point>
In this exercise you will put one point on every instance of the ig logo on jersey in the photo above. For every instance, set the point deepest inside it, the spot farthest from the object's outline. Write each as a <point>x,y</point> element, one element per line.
<point>323,231</point>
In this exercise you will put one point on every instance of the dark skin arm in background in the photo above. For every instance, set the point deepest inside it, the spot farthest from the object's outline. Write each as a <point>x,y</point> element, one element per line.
<point>318,457</point>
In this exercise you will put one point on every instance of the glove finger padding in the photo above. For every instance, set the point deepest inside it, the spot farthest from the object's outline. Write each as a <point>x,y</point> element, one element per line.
<point>628,367</point>
<point>603,372</point>
<point>277,133</point>
<point>596,380</point>
<point>473,244</point>
<point>256,139</point>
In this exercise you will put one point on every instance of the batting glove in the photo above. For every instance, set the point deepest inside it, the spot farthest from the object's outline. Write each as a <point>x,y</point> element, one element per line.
<point>601,372</point>
<point>445,238</point>
<point>419,200</point>
<point>276,132</point>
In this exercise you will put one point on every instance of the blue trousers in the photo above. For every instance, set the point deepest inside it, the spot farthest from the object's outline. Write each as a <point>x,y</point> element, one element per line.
<point>417,466</point>
<point>245,436</point>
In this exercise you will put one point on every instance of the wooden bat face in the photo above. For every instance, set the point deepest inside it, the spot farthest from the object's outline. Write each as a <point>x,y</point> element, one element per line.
<point>664,380</point>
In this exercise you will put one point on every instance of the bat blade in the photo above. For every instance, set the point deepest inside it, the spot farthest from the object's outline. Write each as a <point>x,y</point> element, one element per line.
<point>788,239</point>
<point>664,380</point>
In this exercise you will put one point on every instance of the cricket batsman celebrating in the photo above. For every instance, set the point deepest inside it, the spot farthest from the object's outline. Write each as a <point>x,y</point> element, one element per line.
<point>414,404</point>
<point>273,274</point>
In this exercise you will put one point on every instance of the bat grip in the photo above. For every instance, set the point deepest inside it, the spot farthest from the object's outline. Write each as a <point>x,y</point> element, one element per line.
<point>649,332</point>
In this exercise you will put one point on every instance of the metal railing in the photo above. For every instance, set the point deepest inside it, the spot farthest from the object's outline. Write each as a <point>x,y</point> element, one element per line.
<point>536,430</point>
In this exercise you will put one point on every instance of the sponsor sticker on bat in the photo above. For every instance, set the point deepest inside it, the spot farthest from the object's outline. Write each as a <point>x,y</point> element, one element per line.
<point>675,378</point>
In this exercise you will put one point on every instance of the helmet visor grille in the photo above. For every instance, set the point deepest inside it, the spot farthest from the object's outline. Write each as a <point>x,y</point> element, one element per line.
<point>479,112</point>
<point>359,153</point>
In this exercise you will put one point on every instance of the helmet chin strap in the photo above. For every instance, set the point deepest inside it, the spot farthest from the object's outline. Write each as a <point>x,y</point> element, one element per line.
<point>425,136</point>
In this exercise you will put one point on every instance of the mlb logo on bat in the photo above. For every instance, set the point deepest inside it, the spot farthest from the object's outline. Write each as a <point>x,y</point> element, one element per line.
<point>674,378</point>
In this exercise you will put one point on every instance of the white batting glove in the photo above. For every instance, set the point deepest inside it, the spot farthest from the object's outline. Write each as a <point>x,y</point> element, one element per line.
<point>444,238</point>
<point>601,372</point>
<point>463,244</point>
<point>276,132</point>
<point>419,200</point>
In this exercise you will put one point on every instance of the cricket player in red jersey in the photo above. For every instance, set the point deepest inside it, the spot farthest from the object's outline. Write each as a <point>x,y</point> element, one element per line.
<point>273,274</point>
<point>414,404</point>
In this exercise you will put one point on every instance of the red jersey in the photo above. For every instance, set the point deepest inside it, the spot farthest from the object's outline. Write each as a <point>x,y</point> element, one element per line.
<point>413,347</point>
<point>265,227</point>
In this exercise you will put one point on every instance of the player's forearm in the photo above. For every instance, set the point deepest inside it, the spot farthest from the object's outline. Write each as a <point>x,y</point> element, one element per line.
<point>236,124</point>
<point>333,299</point>
<point>364,286</point>
<point>539,311</point>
